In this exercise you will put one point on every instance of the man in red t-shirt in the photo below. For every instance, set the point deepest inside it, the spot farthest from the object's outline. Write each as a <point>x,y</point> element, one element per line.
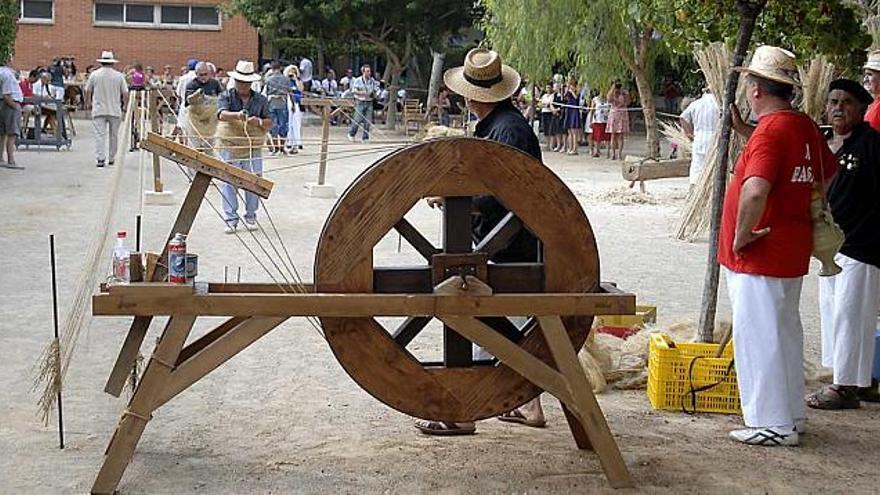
<point>764,247</point>
<point>872,82</point>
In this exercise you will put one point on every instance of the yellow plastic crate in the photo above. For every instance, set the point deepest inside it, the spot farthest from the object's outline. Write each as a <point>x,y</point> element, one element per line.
<point>671,379</point>
<point>644,314</point>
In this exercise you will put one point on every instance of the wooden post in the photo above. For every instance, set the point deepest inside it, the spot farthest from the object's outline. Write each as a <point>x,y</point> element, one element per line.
<point>325,142</point>
<point>748,11</point>
<point>155,127</point>
<point>143,402</point>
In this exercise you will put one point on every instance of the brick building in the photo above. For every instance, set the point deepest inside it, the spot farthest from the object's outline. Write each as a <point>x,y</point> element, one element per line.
<point>152,32</point>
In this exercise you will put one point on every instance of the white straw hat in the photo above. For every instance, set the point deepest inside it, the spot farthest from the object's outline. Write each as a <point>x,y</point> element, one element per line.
<point>107,58</point>
<point>773,63</point>
<point>873,62</point>
<point>483,77</point>
<point>244,71</point>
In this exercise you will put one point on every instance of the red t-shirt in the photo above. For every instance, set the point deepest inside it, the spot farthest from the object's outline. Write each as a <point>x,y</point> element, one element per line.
<point>785,149</point>
<point>872,116</point>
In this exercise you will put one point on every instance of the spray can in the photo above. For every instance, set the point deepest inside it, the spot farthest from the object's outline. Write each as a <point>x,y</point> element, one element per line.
<point>177,259</point>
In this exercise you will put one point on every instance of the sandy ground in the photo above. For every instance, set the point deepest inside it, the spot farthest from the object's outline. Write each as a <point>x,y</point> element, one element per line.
<point>283,416</point>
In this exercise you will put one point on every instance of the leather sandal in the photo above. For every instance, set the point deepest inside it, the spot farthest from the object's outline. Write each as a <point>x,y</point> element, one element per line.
<point>834,397</point>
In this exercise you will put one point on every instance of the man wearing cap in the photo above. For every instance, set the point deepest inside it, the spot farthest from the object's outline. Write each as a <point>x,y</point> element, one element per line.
<point>487,86</point>
<point>243,104</point>
<point>108,92</point>
<point>872,82</point>
<point>764,247</point>
<point>849,301</point>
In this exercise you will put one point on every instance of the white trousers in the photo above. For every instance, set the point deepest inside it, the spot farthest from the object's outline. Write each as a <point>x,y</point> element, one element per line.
<point>848,304</point>
<point>768,345</point>
<point>106,126</point>
<point>294,127</point>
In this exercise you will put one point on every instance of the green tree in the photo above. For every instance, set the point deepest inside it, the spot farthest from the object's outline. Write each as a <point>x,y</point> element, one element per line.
<point>8,26</point>
<point>396,29</point>
<point>603,38</point>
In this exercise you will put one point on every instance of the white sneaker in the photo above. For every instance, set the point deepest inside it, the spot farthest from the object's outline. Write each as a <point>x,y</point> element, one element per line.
<point>251,226</point>
<point>351,138</point>
<point>767,437</point>
<point>230,229</point>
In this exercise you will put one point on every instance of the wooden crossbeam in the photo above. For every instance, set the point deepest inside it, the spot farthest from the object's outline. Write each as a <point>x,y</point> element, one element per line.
<point>206,164</point>
<point>127,300</point>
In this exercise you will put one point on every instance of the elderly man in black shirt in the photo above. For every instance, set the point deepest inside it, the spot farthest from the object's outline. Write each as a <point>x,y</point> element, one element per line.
<point>487,86</point>
<point>849,300</point>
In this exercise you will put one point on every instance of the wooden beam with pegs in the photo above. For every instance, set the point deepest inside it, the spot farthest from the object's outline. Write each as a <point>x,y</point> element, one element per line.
<point>207,164</point>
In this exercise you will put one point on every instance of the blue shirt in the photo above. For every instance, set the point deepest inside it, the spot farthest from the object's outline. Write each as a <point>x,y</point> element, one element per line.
<point>257,106</point>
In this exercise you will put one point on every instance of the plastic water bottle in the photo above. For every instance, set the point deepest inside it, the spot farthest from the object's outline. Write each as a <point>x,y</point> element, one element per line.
<point>121,254</point>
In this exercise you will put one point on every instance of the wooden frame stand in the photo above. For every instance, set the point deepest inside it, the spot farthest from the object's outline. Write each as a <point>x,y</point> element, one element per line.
<point>455,289</point>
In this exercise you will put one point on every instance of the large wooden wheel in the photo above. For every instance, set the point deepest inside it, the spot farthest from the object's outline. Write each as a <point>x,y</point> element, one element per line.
<point>457,389</point>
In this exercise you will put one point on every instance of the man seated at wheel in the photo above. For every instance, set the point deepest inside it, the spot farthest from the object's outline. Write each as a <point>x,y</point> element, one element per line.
<point>487,86</point>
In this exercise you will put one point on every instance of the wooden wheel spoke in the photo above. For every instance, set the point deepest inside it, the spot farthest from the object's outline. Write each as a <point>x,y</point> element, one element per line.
<point>500,235</point>
<point>416,239</point>
<point>409,329</point>
<point>393,280</point>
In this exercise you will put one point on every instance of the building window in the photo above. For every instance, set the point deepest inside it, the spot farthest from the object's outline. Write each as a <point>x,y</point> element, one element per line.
<point>139,13</point>
<point>108,12</point>
<point>175,14</point>
<point>37,10</point>
<point>156,16</point>
<point>205,16</point>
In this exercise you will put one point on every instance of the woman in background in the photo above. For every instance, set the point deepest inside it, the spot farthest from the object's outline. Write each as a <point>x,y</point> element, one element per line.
<point>294,127</point>
<point>572,119</point>
<point>618,119</point>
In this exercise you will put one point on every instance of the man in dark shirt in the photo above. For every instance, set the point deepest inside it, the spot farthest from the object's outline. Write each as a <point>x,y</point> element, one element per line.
<point>849,301</point>
<point>487,86</point>
<point>242,105</point>
<point>203,82</point>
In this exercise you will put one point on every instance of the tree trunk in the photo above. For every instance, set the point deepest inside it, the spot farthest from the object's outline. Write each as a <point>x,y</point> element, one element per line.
<point>749,11</point>
<point>436,75</point>
<point>646,97</point>
<point>319,62</point>
<point>391,116</point>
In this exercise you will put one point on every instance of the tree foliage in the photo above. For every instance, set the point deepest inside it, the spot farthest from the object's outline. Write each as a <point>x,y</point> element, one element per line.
<point>8,26</point>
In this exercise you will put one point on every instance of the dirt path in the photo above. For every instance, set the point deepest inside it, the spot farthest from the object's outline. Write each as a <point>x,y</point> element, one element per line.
<point>283,416</point>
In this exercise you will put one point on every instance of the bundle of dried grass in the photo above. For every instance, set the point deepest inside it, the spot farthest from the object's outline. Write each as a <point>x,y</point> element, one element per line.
<point>715,61</point>
<point>243,141</point>
<point>202,115</point>
<point>673,133</point>
<point>815,79</point>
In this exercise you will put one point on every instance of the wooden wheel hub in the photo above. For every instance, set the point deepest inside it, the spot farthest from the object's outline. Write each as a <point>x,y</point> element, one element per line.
<point>457,389</point>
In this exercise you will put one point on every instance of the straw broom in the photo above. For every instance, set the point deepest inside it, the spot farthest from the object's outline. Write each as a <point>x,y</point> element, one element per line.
<point>815,79</point>
<point>714,61</point>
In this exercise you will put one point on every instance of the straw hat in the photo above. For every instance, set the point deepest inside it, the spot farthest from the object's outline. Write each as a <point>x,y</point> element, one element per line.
<point>483,77</point>
<point>291,70</point>
<point>773,63</point>
<point>244,71</point>
<point>873,62</point>
<point>107,58</point>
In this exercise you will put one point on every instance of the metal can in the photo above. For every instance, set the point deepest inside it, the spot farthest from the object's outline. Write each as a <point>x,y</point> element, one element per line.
<point>177,259</point>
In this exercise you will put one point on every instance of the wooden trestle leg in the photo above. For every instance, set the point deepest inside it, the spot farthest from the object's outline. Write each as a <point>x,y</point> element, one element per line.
<point>569,384</point>
<point>143,403</point>
<point>138,330</point>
